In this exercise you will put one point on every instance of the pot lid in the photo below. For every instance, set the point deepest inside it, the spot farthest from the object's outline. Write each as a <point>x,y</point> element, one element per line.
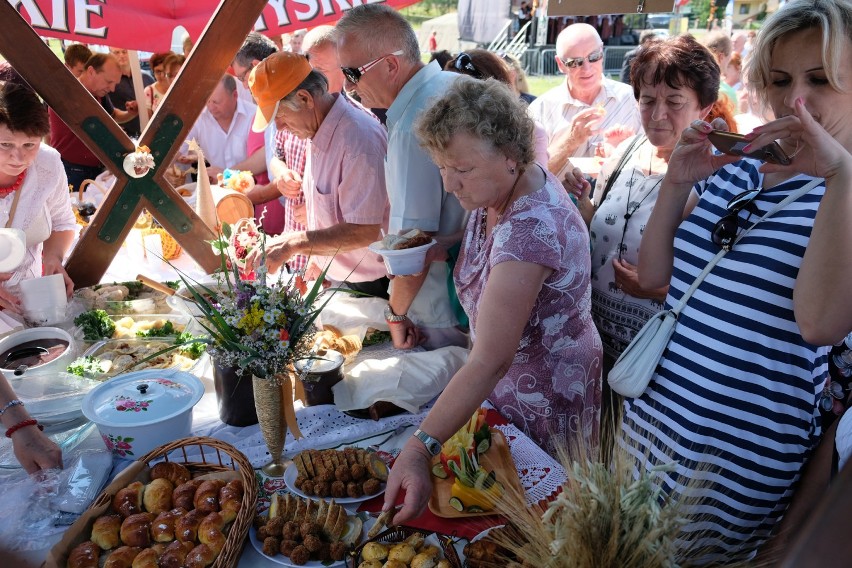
<point>52,397</point>
<point>325,361</point>
<point>142,398</point>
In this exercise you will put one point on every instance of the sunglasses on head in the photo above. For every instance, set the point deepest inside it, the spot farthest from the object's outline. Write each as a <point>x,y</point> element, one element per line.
<point>353,74</point>
<point>574,62</point>
<point>726,229</point>
<point>464,64</point>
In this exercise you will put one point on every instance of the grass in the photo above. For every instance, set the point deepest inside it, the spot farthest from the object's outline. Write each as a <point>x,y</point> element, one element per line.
<point>541,83</point>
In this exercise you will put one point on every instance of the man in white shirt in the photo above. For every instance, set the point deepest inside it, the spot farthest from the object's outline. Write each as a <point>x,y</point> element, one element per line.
<point>577,114</point>
<point>223,128</point>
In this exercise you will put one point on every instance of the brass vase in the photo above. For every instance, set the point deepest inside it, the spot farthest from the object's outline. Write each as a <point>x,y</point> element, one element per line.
<point>273,400</point>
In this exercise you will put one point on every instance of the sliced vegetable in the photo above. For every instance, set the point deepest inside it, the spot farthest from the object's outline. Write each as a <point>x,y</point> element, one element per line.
<point>456,504</point>
<point>439,471</point>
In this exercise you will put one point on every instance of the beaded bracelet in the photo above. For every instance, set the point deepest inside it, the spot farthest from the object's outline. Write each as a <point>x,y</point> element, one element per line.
<point>10,404</point>
<point>23,424</point>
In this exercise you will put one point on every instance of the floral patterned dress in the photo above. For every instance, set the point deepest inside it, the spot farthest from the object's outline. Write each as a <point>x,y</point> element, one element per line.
<point>552,391</point>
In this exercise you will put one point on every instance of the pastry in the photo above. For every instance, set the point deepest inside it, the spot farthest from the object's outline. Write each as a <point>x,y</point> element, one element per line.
<point>174,472</point>
<point>157,496</point>
<point>85,555</point>
<point>105,531</point>
<point>136,530</point>
<point>128,501</point>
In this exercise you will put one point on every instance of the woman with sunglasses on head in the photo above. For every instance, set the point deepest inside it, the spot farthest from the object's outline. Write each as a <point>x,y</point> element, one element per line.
<point>676,82</point>
<point>482,64</point>
<point>522,278</point>
<point>735,395</point>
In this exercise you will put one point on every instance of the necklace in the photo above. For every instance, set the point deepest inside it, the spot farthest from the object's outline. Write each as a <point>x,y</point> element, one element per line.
<point>631,208</point>
<point>483,217</point>
<point>5,191</point>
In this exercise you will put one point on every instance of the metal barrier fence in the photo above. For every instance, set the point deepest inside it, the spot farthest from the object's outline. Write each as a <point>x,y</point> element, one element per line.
<point>546,60</point>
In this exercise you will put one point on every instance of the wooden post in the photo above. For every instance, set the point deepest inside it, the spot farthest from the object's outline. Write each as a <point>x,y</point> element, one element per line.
<point>168,127</point>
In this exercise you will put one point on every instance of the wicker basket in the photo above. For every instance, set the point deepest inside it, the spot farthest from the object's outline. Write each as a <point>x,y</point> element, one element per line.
<point>215,456</point>
<point>399,534</point>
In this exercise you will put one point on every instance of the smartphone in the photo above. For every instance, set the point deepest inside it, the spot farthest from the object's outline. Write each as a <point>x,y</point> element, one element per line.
<point>730,143</point>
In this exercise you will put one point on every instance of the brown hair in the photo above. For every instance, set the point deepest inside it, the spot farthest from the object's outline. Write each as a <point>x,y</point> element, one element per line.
<point>22,111</point>
<point>485,65</point>
<point>76,53</point>
<point>678,61</point>
<point>97,60</point>
<point>158,59</point>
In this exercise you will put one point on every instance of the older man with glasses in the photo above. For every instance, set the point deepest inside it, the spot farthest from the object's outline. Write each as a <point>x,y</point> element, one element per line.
<point>380,57</point>
<point>579,114</point>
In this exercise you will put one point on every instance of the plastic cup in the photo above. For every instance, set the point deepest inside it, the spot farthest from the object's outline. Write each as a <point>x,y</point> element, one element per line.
<point>44,300</point>
<point>403,262</point>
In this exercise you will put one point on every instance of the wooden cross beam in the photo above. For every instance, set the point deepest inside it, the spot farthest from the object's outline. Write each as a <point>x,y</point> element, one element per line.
<point>165,132</point>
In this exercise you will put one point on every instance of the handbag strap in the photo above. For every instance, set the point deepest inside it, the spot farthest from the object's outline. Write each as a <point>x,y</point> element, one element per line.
<point>610,181</point>
<point>715,260</point>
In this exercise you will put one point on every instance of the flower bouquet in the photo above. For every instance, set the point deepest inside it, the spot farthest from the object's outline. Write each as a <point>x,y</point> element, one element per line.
<point>238,180</point>
<point>258,325</point>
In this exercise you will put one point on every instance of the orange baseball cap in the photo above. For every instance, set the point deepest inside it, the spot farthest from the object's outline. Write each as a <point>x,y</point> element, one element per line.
<point>273,79</point>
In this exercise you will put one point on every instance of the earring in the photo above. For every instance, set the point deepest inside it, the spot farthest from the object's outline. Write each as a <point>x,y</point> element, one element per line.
<point>512,171</point>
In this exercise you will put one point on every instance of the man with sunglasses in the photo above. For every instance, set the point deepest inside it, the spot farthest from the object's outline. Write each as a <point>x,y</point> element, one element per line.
<point>577,115</point>
<point>344,180</point>
<point>380,57</point>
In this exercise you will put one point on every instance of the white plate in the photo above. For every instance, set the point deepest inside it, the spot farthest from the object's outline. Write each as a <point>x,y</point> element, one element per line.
<point>484,533</point>
<point>285,560</point>
<point>13,247</point>
<point>291,473</point>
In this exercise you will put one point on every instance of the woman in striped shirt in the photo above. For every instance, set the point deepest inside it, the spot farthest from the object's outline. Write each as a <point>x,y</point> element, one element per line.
<point>734,399</point>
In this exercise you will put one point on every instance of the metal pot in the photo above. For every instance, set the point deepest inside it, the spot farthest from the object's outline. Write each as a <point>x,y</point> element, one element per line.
<point>319,374</point>
<point>36,350</point>
<point>140,411</point>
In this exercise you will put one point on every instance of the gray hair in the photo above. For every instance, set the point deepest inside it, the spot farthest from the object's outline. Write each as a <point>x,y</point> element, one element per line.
<point>380,30</point>
<point>228,83</point>
<point>256,46</point>
<point>318,37</point>
<point>832,17</point>
<point>315,83</point>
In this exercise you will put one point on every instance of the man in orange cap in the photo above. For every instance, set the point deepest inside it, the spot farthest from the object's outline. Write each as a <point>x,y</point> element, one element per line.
<point>344,180</point>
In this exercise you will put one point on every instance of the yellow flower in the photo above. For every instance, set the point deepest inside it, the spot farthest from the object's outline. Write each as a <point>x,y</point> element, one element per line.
<point>252,320</point>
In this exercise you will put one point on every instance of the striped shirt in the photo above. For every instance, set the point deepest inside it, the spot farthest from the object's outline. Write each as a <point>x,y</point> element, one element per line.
<point>734,399</point>
<point>293,151</point>
<point>556,108</point>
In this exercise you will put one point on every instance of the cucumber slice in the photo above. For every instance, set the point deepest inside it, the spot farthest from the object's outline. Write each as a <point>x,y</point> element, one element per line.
<point>439,471</point>
<point>475,509</point>
<point>483,446</point>
<point>456,504</point>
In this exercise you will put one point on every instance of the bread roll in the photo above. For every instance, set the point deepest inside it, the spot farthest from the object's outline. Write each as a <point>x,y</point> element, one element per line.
<point>157,496</point>
<point>403,552</point>
<point>207,495</point>
<point>122,557</point>
<point>175,554</point>
<point>136,530</point>
<point>174,472</point>
<point>148,558</point>
<point>186,527</point>
<point>200,557</point>
<point>374,551</point>
<point>128,501</point>
<point>84,555</point>
<point>230,498</point>
<point>105,531</point>
<point>163,527</point>
<point>210,532</point>
<point>184,494</point>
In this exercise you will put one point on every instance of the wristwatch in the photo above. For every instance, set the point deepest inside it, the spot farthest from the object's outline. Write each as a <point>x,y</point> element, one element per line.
<point>433,446</point>
<point>391,317</point>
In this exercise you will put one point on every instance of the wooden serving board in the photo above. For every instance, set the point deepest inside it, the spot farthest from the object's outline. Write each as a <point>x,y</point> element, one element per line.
<point>497,458</point>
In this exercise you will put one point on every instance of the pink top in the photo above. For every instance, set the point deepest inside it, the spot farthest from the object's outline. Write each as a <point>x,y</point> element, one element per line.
<point>344,182</point>
<point>554,384</point>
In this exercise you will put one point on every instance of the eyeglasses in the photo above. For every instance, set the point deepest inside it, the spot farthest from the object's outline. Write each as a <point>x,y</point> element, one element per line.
<point>242,78</point>
<point>353,74</point>
<point>726,229</point>
<point>464,64</point>
<point>573,62</point>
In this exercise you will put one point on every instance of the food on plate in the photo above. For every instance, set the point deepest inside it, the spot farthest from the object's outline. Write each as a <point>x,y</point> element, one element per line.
<point>411,239</point>
<point>98,324</point>
<point>122,298</point>
<point>474,489</point>
<point>473,437</point>
<point>413,552</point>
<point>331,338</point>
<point>133,534</point>
<point>489,550</point>
<point>95,324</point>
<point>305,530</point>
<point>351,472</point>
<point>121,356</point>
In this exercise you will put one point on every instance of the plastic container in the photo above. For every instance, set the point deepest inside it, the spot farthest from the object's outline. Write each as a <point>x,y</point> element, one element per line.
<point>403,262</point>
<point>140,322</point>
<point>125,354</point>
<point>138,412</point>
<point>140,300</point>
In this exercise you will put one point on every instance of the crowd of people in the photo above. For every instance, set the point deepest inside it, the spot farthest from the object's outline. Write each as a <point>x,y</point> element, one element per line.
<point>545,276</point>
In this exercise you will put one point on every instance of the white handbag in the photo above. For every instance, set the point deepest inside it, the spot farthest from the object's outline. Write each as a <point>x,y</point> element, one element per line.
<point>637,364</point>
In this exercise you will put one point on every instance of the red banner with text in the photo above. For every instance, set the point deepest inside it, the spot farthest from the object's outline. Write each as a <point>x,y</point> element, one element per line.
<point>149,25</point>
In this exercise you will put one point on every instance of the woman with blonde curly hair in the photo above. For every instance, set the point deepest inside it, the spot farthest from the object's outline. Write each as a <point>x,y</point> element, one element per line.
<point>523,278</point>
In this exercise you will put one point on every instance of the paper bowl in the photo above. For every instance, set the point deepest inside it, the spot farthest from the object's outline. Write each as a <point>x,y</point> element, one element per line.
<point>403,262</point>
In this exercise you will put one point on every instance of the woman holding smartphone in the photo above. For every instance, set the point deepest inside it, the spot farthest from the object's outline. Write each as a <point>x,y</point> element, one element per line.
<point>734,399</point>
